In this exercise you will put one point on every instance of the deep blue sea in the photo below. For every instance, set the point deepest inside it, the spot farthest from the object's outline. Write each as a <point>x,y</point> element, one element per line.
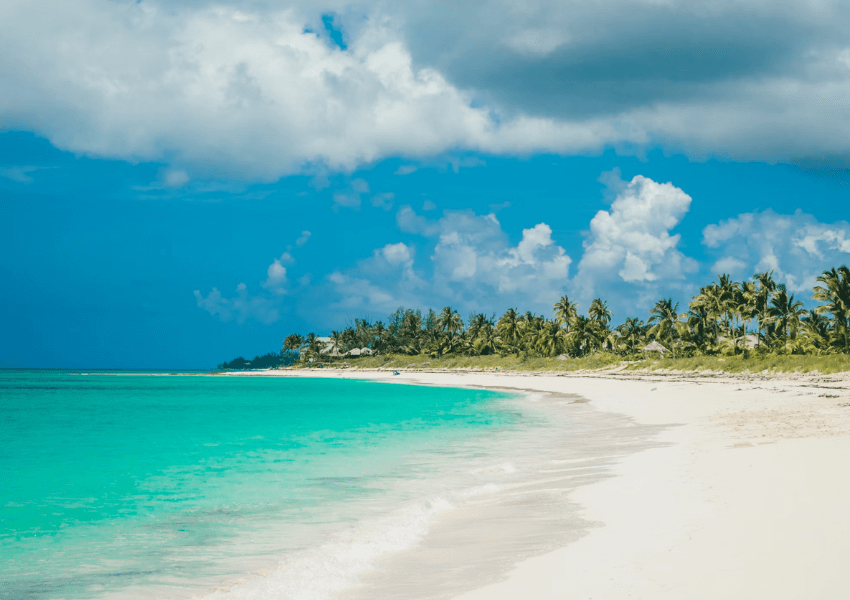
<point>139,485</point>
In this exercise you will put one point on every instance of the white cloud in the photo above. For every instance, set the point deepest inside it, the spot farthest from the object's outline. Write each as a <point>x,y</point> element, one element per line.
<point>409,222</point>
<point>472,264</point>
<point>347,199</point>
<point>405,170</point>
<point>357,188</point>
<point>366,286</point>
<point>192,84</point>
<point>384,200</point>
<point>630,258</point>
<point>361,186</point>
<point>303,238</point>
<point>397,254</point>
<point>537,42</point>
<point>264,306</point>
<point>19,174</point>
<point>276,280</point>
<point>797,247</point>
<point>729,265</point>
<point>175,178</point>
<point>632,241</point>
<point>360,293</point>
<point>240,308</point>
<point>428,205</point>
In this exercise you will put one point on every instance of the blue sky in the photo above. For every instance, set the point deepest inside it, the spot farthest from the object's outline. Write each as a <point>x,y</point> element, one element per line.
<point>182,184</point>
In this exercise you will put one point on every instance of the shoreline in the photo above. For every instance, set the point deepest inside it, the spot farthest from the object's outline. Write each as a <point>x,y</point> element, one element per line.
<point>746,498</point>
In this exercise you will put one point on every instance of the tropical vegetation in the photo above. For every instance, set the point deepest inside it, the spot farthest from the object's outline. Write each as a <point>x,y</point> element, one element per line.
<point>727,318</point>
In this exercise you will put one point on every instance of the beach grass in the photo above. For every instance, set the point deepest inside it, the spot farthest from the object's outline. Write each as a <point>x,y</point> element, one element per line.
<point>754,363</point>
<point>603,361</point>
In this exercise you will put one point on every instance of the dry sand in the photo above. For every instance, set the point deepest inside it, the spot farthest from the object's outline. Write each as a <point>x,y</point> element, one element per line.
<point>749,497</point>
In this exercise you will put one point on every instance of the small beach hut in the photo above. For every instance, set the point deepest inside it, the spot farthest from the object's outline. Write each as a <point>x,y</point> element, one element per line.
<point>654,346</point>
<point>365,352</point>
<point>353,352</point>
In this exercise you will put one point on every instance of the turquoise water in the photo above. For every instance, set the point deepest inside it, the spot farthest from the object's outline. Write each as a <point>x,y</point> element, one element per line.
<point>167,486</point>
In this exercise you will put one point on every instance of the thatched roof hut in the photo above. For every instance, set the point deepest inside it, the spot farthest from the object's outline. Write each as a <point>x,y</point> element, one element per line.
<point>365,352</point>
<point>654,346</point>
<point>353,352</point>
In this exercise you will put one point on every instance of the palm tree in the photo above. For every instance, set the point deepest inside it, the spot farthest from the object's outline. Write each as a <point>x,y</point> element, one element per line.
<point>448,332</point>
<point>293,342</point>
<point>549,340</point>
<point>760,299</point>
<point>336,340</point>
<point>599,313</point>
<point>477,322</point>
<point>565,311</point>
<point>450,321</point>
<point>729,293</point>
<point>722,308</point>
<point>379,337</point>
<point>631,335</point>
<point>586,335</point>
<point>835,292</point>
<point>662,318</point>
<point>816,327</point>
<point>785,313</point>
<point>509,329</point>
<point>310,345</point>
<point>486,342</point>
<point>410,332</point>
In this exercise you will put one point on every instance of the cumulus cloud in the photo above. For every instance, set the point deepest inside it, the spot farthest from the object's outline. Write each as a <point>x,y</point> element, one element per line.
<point>383,200</point>
<point>253,92</point>
<point>409,222</point>
<point>380,282</point>
<point>303,238</point>
<point>472,263</point>
<point>797,247</point>
<point>630,252</point>
<point>352,196</point>
<point>19,174</point>
<point>240,308</point>
<point>347,199</point>
<point>276,280</point>
<point>264,306</point>
<point>236,91</point>
<point>631,258</point>
<point>632,242</point>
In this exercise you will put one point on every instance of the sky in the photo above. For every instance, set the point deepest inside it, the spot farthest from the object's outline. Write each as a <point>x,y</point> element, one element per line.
<point>185,182</point>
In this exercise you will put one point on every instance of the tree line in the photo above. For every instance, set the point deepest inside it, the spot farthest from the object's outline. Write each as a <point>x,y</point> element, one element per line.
<point>725,317</point>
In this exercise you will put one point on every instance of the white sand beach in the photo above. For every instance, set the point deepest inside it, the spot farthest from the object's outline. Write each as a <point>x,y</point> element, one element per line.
<point>748,495</point>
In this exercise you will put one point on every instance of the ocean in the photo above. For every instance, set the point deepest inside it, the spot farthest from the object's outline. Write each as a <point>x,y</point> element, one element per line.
<point>136,485</point>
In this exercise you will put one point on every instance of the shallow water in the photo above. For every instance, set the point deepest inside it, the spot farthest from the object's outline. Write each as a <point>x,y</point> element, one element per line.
<point>131,486</point>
